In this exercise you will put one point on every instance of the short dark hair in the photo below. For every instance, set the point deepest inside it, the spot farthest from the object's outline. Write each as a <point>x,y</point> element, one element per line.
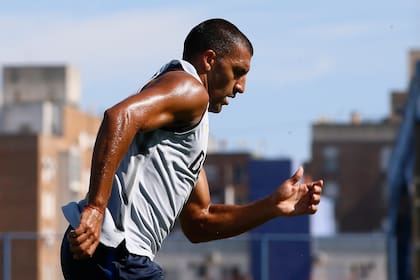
<point>216,34</point>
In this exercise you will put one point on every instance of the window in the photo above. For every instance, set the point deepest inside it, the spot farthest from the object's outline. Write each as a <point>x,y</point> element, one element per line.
<point>330,155</point>
<point>14,76</point>
<point>384,158</point>
<point>331,189</point>
<point>74,169</point>
<point>239,173</point>
<point>48,169</point>
<point>25,128</point>
<point>48,205</point>
<point>49,272</point>
<point>17,96</point>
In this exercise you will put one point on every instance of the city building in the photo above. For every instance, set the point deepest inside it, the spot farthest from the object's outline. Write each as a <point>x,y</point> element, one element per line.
<point>370,171</point>
<point>46,145</point>
<point>353,158</point>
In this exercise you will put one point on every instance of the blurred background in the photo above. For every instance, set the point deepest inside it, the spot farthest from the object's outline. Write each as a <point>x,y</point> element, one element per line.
<point>333,87</point>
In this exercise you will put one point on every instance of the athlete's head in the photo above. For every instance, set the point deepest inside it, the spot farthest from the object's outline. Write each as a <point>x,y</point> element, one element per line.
<point>223,54</point>
<point>218,35</point>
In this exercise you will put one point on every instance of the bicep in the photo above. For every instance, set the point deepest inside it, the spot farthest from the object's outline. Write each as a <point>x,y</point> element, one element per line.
<point>197,205</point>
<point>200,196</point>
<point>175,99</point>
<point>142,111</point>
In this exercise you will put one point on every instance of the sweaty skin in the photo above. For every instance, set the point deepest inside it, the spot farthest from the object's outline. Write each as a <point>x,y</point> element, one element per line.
<point>202,221</point>
<point>176,100</point>
<point>161,104</point>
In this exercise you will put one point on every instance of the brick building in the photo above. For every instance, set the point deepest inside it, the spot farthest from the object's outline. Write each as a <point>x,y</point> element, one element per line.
<point>45,151</point>
<point>353,158</point>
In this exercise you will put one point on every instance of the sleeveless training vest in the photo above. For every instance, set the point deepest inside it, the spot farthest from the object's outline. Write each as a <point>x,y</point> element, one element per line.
<point>152,183</point>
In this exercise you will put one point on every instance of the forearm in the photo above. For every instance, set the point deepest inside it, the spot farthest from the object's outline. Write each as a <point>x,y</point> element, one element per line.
<point>111,143</point>
<point>202,221</point>
<point>223,221</point>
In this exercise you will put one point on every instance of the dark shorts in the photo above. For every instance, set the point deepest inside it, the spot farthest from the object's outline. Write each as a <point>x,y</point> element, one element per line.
<point>109,264</point>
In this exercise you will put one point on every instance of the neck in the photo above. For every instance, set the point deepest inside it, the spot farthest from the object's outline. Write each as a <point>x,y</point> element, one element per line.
<point>200,71</point>
<point>203,78</point>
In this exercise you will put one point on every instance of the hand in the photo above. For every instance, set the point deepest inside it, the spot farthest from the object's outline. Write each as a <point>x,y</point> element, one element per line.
<point>85,238</point>
<point>293,198</point>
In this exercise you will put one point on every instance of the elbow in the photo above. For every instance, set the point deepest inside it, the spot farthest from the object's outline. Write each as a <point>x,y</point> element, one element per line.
<point>117,119</point>
<point>194,230</point>
<point>196,224</point>
<point>194,239</point>
<point>109,119</point>
<point>194,235</point>
<point>115,115</point>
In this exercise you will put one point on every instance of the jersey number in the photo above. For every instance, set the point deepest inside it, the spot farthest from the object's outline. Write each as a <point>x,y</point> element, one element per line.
<point>196,164</point>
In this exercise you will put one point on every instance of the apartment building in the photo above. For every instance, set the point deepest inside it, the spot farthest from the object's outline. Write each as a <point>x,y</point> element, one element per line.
<point>45,152</point>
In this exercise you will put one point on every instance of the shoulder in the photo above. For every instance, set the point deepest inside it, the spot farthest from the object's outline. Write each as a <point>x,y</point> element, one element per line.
<point>179,83</point>
<point>184,94</point>
<point>173,100</point>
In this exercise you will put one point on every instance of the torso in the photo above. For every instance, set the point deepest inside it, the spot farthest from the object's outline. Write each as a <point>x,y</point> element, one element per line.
<point>154,181</point>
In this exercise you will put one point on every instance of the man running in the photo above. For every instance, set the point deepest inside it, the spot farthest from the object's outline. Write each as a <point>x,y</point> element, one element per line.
<point>147,166</point>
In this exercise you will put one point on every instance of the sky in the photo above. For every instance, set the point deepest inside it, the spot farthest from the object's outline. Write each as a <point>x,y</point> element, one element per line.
<point>312,59</point>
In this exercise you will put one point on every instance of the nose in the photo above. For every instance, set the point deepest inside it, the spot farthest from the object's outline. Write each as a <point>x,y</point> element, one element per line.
<point>240,85</point>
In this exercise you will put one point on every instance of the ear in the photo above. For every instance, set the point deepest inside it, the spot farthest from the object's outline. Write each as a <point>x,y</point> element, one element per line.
<point>209,59</point>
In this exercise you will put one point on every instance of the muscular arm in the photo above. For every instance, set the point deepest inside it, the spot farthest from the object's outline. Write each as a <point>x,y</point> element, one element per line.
<point>174,100</point>
<point>166,102</point>
<point>202,221</point>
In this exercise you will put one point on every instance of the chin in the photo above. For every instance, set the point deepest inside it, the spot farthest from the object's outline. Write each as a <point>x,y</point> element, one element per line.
<point>215,109</point>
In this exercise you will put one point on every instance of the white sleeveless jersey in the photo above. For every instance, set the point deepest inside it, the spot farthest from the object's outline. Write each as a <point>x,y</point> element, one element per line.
<point>152,183</point>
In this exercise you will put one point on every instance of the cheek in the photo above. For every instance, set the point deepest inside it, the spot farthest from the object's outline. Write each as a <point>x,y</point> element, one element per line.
<point>222,81</point>
<point>216,97</point>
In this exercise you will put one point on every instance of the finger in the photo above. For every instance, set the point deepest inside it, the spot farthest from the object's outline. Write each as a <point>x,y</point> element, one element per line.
<point>76,246</point>
<point>297,176</point>
<point>319,183</point>
<point>87,250</point>
<point>316,198</point>
<point>79,239</point>
<point>75,250</point>
<point>73,235</point>
<point>92,248</point>
<point>313,184</point>
<point>83,249</point>
<point>78,231</point>
<point>312,209</point>
<point>73,243</point>
<point>317,189</point>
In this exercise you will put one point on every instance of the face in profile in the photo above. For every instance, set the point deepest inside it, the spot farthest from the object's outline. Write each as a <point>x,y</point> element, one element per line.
<point>228,77</point>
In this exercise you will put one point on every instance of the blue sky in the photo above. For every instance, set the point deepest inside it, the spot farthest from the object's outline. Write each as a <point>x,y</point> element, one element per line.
<point>312,58</point>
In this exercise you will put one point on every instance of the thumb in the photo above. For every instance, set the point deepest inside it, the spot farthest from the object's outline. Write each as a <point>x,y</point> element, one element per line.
<point>297,176</point>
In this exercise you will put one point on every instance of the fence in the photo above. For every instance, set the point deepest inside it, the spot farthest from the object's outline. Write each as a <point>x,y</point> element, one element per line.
<point>281,257</point>
<point>251,256</point>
